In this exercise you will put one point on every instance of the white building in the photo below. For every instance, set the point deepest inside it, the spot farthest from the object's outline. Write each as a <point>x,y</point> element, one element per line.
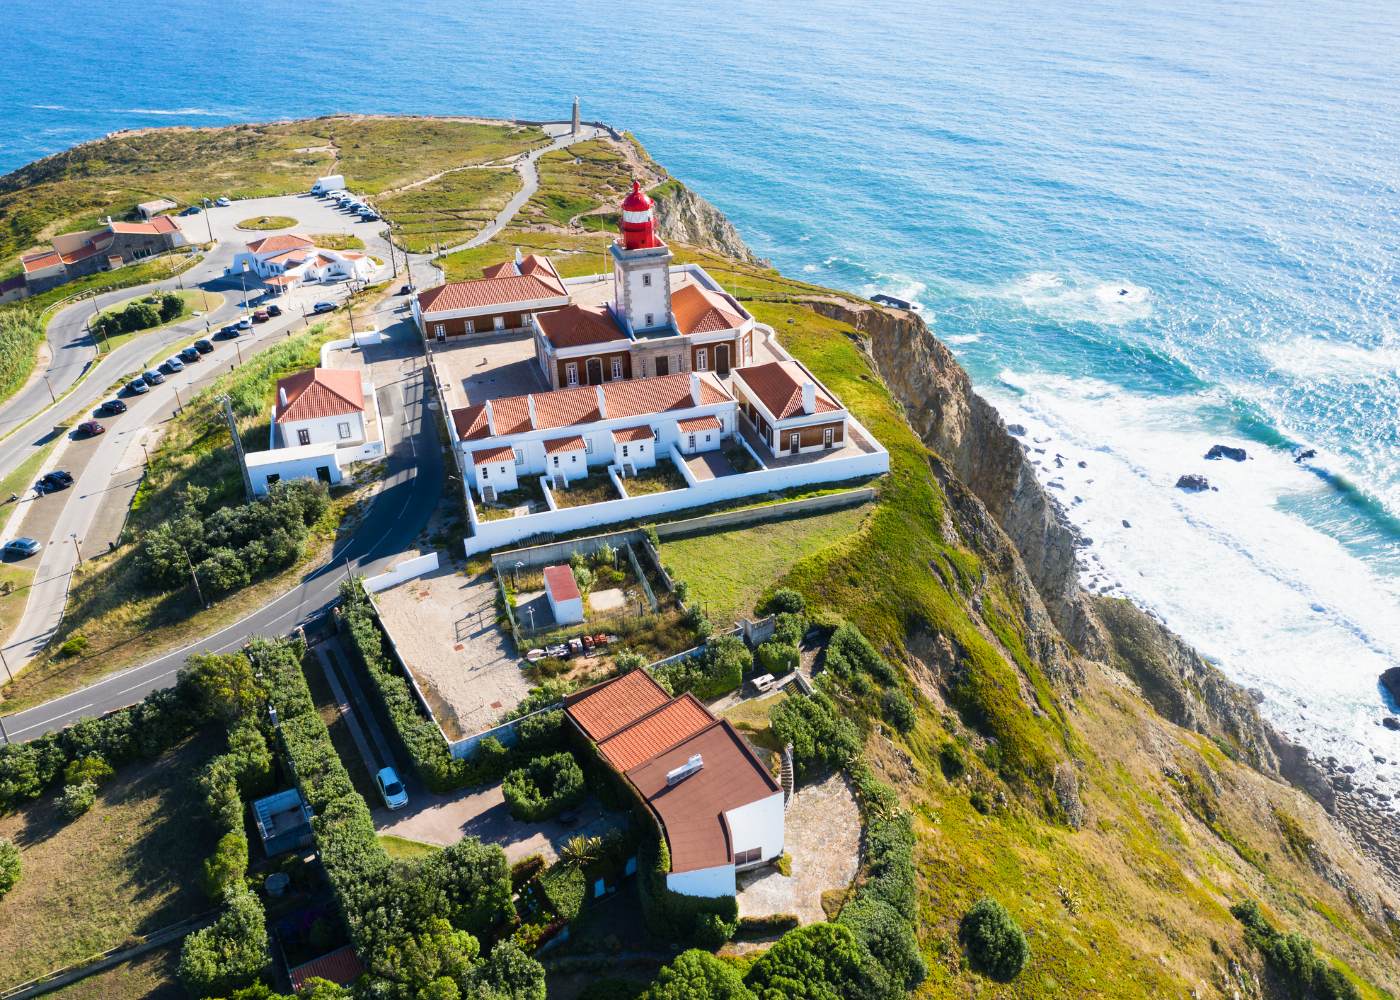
<point>561,590</point>
<point>320,406</point>
<point>289,260</point>
<point>714,801</point>
<point>788,409</point>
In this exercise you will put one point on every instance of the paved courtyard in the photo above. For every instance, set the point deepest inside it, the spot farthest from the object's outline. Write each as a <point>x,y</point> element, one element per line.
<point>823,840</point>
<point>474,369</point>
<point>444,626</point>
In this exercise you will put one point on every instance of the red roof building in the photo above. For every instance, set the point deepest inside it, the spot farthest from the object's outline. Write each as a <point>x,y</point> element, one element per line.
<point>504,298</point>
<point>317,393</point>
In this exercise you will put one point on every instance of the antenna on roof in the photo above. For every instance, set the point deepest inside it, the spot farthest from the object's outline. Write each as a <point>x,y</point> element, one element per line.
<point>676,775</point>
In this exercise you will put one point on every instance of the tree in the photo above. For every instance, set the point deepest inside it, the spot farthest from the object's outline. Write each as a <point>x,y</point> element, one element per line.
<point>227,685</point>
<point>77,799</point>
<point>222,572</point>
<point>784,600</point>
<point>225,868</point>
<point>10,867</point>
<point>171,305</point>
<point>995,943</point>
<point>476,880</point>
<point>432,962</point>
<point>91,768</point>
<point>888,937</point>
<point>228,954</point>
<point>698,975</point>
<point>509,974</point>
<point>898,710</point>
<point>817,962</point>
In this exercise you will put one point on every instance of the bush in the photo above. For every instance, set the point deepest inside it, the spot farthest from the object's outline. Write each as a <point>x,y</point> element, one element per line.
<point>898,710</point>
<point>790,627</point>
<point>171,306</point>
<point>784,601</point>
<point>815,962</point>
<point>716,671</point>
<point>698,975</point>
<point>226,867</point>
<point>564,886</point>
<point>228,954</point>
<point>627,661</point>
<point>77,799</point>
<point>850,654</point>
<point>73,646</point>
<point>524,870</point>
<point>476,881</point>
<point>10,866</point>
<point>776,657</point>
<point>995,943</point>
<point>1292,959</point>
<point>91,769</point>
<point>671,916</point>
<point>889,939</point>
<point>544,787</point>
<point>950,761</point>
<point>817,729</point>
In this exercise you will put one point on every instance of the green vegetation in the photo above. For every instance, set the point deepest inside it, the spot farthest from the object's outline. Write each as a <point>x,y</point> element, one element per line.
<point>543,788</point>
<point>820,733</point>
<point>728,571</point>
<point>11,867</point>
<point>596,487</point>
<point>403,849</point>
<point>21,333</point>
<point>336,241</point>
<point>660,478</point>
<point>695,974</point>
<point>267,222</point>
<point>451,209</point>
<point>1291,958</point>
<point>148,312</point>
<point>378,155</point>
<point>576,180</point>
<point>995,943</point>
<point>230,953</point>
<point>714,672</point>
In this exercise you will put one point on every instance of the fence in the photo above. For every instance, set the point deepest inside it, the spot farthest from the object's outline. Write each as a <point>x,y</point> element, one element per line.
<point>406,570</point>
<point>762,515</point>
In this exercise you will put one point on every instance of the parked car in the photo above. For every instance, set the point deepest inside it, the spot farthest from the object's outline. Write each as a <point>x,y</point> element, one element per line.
<point>190,354</point>
<point>231,330</point>
<point>21,548</point>
<point>391,788</point>
<point>137,387</point>
<point>245,323</point>
<point>54,481</point>
<point>113,406</point>
<point>406,290</point>
<point>323,307</point>
<point>204,347</point>
<point>274,310</point>
<point>222,202</point>
<point>261,316</point>
<point>369,215</point>
<point>153,377</point>
<point>171,365</point>
<point>192,210</point>
<point>91,428</point>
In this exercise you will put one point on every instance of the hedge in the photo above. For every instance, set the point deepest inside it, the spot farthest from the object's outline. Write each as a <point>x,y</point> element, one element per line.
<point>674,916</point>
<point>544,787</point>
<point>716,671</point>
<point>230,953</point>
<point>564,886</point>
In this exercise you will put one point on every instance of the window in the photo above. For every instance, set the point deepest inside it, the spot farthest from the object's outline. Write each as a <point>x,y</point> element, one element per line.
<point>303,436</point>
<point>644,368</point>
<point>624,451</point>
<point>646,281</point>
<point>470,326</point>
<point>702,359</point>
<point>485,472</point>
<point>500,322</point>
<point>616,369</point>
<point>571,373</point>
<point>721,425</point>
<point>690,439</point>
<point>343,429</point>
<point>656,433</point>
<point>827,437</point>
<point>556,461</point>
<point>651,317</point>
<point>588,445</point>
<point>794,442</point>
<point>439,331</point>
<point>752,855</point>
<point>519,456</point>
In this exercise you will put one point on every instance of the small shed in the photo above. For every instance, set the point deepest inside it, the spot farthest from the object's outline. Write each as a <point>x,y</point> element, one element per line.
<point>284,822</point>
<point>150,209</point>
<point>565,602</point>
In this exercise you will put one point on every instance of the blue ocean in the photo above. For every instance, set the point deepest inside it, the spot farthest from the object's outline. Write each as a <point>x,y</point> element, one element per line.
<point>1145,228</point>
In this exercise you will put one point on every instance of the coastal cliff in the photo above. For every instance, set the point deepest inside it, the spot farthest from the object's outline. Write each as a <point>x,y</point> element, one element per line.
<point>683,216</point>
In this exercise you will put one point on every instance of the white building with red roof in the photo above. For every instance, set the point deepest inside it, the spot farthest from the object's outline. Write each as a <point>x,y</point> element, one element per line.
<point>289,260</point>
<point>320,406</point>
<point>788,409</point>
<point>561,590</point>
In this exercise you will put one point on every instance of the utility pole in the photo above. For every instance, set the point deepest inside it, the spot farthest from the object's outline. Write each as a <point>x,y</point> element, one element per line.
<point>52,397</point>
<point>195,577</point>
<point>76,546</point>
<point>8,672</point>
<point>238,447</point>
<point>2,729</point>
<point>209,226</point>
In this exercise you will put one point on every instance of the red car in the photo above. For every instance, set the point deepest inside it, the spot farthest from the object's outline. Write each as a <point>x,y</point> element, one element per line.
<point>261,316</point>
<point>91,428</point>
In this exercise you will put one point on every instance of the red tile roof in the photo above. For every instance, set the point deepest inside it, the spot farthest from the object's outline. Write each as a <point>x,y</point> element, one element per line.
<point>158,226</point>
<point>39,261</point>
<point>320,392</point>
<point>286,241</point>
<point>660,730</point>
<point>696,309</point>
<point>698,424</point>
<point>560,582</point>
<point>91,248</point>
<point>503,289</point>
<point>505,453</point>
<point>778,386</point>
<point>605,708</point>
<point>560,445</point>
<point>470,421</point>
<point>340,966</point>
<point>503,270</point>
<point>627,435</point>
<point>692,811</point>
<point>579,326</point>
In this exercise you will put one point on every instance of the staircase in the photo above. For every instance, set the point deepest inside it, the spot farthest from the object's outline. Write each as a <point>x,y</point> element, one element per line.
<point>560,483</point>
<point>785,776</point>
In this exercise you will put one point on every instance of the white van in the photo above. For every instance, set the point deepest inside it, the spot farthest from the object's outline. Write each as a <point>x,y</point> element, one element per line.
<point>326,184</point>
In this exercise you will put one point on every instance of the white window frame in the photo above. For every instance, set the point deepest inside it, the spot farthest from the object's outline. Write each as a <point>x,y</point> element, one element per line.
<point>485,472</point>
<point>702,359</point>
<point>439,331</point>
<point>616,369</point>
<point>343,429</point>
<point>656,433</point>
<point>624,451</point>
<point>646,280</point>
<point>588,445</point>
<point>471,326</point>
<point>571,373</point>
<point>500,322</point>
<point>303,436</point>
<point>828,436</point>
<point>519,456</point>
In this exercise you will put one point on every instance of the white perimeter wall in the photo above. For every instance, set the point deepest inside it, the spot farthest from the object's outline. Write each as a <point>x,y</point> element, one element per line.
<point>758,824</point>
<point>703,882</point>
<point>291,463</point>
<point>406,570</point>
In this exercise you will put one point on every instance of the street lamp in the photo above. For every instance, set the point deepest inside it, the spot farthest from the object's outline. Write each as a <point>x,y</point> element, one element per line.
<point>76,546</point>
<point>243,281</point>
<point>518,567</point>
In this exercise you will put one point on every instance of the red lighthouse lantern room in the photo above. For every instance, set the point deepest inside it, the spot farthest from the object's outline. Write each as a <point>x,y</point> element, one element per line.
<point>638,220</point>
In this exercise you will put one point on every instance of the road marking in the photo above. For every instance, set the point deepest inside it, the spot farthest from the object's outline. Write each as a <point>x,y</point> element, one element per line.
<point>55,718</point>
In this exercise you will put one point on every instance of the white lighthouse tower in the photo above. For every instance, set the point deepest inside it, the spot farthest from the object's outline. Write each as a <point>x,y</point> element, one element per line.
<point>641,269</point>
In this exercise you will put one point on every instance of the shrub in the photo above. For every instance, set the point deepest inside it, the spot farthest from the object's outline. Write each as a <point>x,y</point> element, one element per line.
<point>950,761</point>
<point>784,601</point>
<point>627,661</point>
<point>697,974</point>
<point>669,915</point>
<point>508,974</point>
<point>524,870</point>
<point>817,729</point>
<point>849,654</point>
<point>790,627</point>
<point>776,657</point>
<point>815,962</point>
<point>91,769</point>
<point>681,590</point>
<point>170,306</point>
<point>476,881</point>
<point>544,787</point>
<point>10,866</point>
<point>888,937</point>
<point>74,645</point>
<point>563,885</point>
<point>1292,959</point>
<point>228,954</point>
<point>77,799</point>
<point>898,710</point>
<point>226,867</point>
<point>712,930</point>
<point>719,669</point>
<point>544,731</point>
<point>995,943</point>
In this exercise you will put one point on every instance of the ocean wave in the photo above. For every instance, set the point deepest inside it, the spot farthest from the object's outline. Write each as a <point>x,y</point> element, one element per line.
<point>1068,299</point>
<point>963,338</point>
<point>175,112</point>
<point>1317,357</point>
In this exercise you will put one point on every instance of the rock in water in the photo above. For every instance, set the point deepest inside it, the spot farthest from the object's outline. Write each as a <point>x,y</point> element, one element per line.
<point>1226,451</point>
<point>1391,722</point>
<point>1390,680</point>
<point>1193,482</point>
<point>1017,429</point>
<point>1305,454</point>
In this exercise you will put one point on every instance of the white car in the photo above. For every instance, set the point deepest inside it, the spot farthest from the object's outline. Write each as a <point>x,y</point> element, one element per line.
<point>391,789</point>
<point>222,202</point>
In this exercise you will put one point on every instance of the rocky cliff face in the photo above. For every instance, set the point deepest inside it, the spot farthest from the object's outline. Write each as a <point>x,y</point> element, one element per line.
<point>970,437</point>
<point>685,217</point>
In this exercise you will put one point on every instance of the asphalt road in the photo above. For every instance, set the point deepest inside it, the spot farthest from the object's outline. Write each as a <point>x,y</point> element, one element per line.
<point>413,485</point>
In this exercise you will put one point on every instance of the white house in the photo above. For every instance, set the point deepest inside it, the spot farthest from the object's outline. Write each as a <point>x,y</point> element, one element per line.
<point>718,807</point>
<point>561,590</point>
<point>565,432</point>
<point>289,260</point>
<point>320,406</point>
<point>789,410</point>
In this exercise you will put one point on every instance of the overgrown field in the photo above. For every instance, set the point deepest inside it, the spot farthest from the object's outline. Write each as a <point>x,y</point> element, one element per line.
<point>451,209</point>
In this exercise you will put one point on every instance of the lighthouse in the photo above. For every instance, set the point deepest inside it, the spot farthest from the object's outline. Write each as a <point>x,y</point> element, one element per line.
<point>641,269</point>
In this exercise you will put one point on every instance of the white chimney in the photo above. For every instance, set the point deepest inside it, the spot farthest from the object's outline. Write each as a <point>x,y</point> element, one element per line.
<point>602,402</point>
<point>490,418</point>
<point>530,403</point>
<point>809,397</point>
<point>695,388</point>
<point>518,258</point>
<point>282,396</point>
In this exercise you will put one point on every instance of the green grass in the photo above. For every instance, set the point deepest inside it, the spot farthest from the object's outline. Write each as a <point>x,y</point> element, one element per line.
<point>596,487</point>
<point>660,478</point>
<point>728,571</point>
<point>192,301</point>
<point>15,579</point>
<point>586,176</point>
<point>264,223</point>
<point>403,849</point>
<point>336,241</point>
<point>451,209</point>
<point>751,719</point>
<point>131,865</point>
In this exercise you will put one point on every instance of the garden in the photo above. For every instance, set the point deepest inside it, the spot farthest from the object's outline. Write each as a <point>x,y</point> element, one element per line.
<point>145,313</point>
<point>660,478</point>
<point>528,495</point>
<point>596,487</point>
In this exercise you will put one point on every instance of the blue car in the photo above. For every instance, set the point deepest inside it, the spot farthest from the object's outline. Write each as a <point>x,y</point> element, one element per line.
<point>391,789</point>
